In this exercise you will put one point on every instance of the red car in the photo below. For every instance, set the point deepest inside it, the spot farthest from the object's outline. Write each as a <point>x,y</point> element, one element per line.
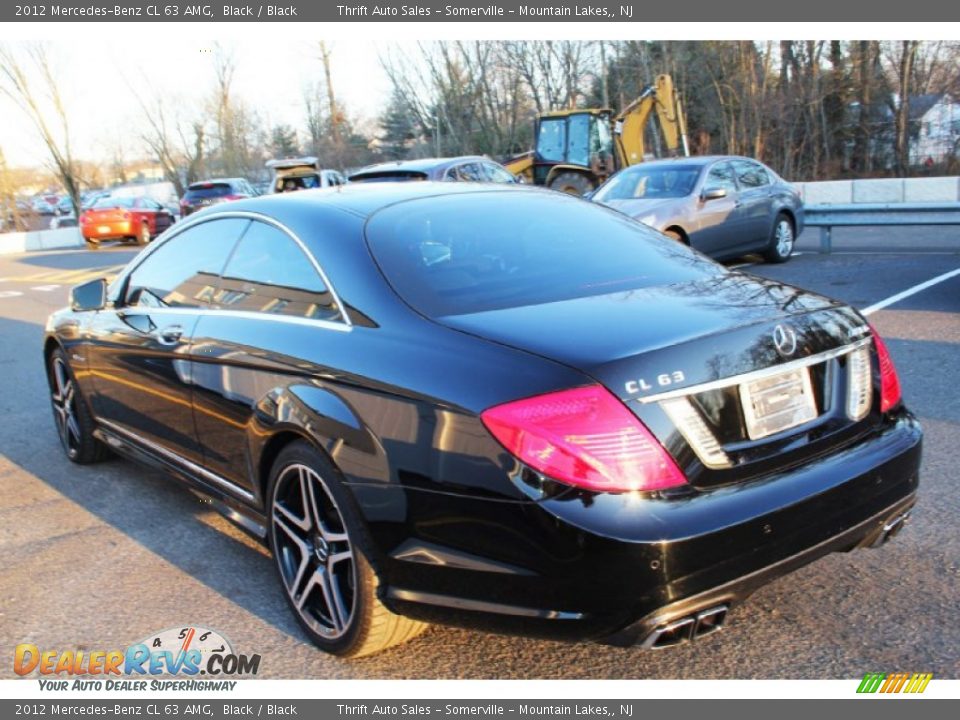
<point>124,218</point>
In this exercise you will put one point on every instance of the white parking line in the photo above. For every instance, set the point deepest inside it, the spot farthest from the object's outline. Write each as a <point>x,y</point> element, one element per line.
<point>909,291</point>
<point>45,288</point>
<point>894,252</point>
<point>10,293</point>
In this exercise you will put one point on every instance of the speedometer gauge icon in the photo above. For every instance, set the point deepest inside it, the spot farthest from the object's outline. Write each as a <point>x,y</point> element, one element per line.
<point>181,640</point>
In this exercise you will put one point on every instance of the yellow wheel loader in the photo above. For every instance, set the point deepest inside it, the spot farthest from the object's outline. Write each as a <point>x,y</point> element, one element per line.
<point>576,150</point>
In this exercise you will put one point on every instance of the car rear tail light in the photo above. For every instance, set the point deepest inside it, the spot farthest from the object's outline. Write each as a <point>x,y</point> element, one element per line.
<point>859,383</point>
<point>126,216</point>
<point>584,437</point>
<point>889,382</point>
<point>234,197</point>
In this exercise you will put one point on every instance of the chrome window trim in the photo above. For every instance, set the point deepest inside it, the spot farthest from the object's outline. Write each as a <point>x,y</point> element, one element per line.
<point>756,374</point>
<point>185,225</point>
<point>212,477</point>
<point>250,314</point>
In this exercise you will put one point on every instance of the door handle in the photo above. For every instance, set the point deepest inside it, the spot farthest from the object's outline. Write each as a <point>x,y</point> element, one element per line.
<point>170,335</point>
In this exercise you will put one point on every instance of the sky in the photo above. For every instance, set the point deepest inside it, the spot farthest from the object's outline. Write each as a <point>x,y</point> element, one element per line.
<point>272,70</point>
<point>99,61</point>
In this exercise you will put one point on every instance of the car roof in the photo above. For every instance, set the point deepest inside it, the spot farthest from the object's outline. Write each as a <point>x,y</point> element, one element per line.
<point>362,199</point>
<point>422,164</point>
<point>201,183</point>
<point>697,160</point>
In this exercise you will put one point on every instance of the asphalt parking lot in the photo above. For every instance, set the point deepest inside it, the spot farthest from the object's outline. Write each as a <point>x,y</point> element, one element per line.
<point>101,556</point>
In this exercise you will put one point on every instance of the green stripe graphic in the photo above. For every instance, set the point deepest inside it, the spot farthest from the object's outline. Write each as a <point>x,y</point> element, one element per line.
<point>871,682</point>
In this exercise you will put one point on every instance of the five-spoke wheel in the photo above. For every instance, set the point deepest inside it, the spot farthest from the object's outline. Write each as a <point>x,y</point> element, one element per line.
<point>317,540</point>
<point>73,420</point>
<point>313,551</point>
<point>781,240</point>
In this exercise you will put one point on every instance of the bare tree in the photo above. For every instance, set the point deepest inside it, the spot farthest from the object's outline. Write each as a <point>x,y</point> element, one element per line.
<point>178,144</point>
<point>43,105</point>
<point>901,57</point>
<point>8,200</point>
<point>239,136</point>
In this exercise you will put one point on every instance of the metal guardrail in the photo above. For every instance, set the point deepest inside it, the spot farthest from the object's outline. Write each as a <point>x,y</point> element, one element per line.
<point>827,217</point>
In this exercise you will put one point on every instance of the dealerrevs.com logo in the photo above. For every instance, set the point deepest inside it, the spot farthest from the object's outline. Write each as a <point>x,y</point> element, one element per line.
<point>187,653</point>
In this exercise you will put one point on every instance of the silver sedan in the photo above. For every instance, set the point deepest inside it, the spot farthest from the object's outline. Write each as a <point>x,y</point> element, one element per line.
<point>724,206</point>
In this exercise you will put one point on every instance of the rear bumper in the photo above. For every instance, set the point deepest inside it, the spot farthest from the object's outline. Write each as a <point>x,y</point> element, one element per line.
<point>614,568</point>
<point>107,231</point>
<point>870,533</point>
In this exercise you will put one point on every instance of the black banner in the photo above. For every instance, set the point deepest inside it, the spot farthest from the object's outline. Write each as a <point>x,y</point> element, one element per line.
<point>578,11</point>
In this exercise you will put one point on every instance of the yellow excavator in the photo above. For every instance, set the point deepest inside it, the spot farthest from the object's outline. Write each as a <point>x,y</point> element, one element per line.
<point>576,150</point>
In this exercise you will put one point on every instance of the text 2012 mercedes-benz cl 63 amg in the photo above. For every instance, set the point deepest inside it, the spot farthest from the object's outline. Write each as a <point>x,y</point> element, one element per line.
<point>493,407</point>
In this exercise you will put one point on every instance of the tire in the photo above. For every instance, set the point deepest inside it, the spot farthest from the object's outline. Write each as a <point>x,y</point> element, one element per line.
<point>675,236</point>
<point>572,183</point>
<point>75,424</point>
<point>92,244</point>
<point>143,235</point>
<point>321,554</point>
<point>782,240</point>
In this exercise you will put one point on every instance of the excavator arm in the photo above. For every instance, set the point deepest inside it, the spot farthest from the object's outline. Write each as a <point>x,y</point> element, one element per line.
<point>629,124</point>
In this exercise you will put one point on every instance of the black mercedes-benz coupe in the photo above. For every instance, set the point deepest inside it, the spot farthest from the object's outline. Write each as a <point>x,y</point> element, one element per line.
<point>493,407</point>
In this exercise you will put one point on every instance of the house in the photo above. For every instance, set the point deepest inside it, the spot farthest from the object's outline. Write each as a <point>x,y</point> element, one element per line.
<point>934,128</point>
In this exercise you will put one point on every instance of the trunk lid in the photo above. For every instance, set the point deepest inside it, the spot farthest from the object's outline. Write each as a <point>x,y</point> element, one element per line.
<point>704,344</point>
<point>107,215</point>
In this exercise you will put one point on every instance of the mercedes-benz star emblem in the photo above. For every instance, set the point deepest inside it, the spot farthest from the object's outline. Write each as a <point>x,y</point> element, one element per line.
<point>785,340</point>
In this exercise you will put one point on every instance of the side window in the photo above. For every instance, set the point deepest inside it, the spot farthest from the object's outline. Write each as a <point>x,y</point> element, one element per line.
<point>721,176</point>
<point>578,141</point>
<point>497,174</point>
<point>470,172</point>
<point>552,140</point>
<point>183,272</point>
<point>750,174</point>
<point>269,273</point>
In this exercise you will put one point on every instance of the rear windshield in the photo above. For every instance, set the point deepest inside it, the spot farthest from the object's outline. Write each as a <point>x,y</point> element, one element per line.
<point>461,254</point>
<point>650,182</point>
<point>389,176</point>
<point>208,190</point>
<point>114,202</point>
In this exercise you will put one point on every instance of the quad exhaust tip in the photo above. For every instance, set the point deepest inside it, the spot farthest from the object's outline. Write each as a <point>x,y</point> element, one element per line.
<point>891,528</point>
<point>687,628</point>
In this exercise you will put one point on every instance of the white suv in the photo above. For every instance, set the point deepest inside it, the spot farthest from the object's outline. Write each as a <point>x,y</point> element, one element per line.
<point>301,174</point>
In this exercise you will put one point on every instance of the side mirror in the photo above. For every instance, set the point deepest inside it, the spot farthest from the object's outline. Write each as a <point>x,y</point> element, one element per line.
<point>89,296</point>
<point>713,193</point>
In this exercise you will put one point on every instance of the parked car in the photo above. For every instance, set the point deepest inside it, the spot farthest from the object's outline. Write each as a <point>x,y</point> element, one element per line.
<point>496,407</point>
<point>43,205</point>
<point>470,168</point>
<point>291,174</point>
<point>723,206</point>
<point>89,199</point>
<point>210,192</point>
<point>124,218</point>
<point>64,206</point>
<point>58,222</point>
